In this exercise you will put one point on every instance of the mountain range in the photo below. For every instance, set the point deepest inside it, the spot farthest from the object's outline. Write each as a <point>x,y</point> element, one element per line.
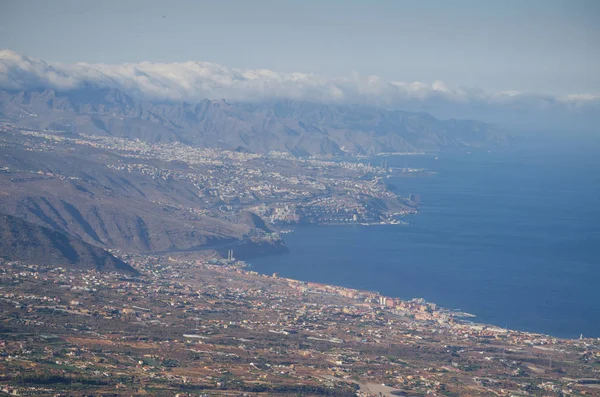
<point>296,127</point>
<point>194,80</point>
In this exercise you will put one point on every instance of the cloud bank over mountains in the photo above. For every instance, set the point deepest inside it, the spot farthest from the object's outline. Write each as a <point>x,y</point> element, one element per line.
<point>193,81</point>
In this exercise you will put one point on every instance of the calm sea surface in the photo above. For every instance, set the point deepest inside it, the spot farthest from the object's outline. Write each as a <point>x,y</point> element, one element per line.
<point>513,238</point>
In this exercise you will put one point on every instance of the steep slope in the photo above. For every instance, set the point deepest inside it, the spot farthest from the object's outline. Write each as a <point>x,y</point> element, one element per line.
<point>132,212</point>
<point>299,128</point>
<point>27,242</point>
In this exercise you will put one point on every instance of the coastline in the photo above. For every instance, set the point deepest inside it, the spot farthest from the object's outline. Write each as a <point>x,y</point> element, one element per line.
<point>421,305</point>
<point>415,309</point>
<point>485,242</point>
<point>312,274</point>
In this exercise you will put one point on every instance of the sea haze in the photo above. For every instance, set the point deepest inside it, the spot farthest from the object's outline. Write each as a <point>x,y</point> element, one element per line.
<point>511,237</point>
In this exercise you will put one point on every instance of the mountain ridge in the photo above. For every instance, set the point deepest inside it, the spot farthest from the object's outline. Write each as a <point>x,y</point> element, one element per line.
<point>296,127</point>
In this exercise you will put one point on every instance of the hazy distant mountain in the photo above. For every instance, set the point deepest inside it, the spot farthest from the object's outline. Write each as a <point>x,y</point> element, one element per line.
<point>297,127</point>
<point>27,242</point>
<point>194,81</point>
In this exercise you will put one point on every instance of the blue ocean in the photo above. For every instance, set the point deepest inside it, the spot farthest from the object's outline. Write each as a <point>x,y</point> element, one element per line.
<point>512,237</point>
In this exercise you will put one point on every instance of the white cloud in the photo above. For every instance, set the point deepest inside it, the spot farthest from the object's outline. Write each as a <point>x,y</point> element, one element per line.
<point>192,81</point>
<point>579,97</point>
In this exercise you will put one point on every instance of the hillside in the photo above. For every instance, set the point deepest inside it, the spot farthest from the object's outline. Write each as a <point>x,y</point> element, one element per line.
<point>27,242</point>
<point>132,212</point>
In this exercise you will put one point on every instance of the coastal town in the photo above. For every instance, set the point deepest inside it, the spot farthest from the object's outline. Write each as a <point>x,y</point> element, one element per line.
<point>281,188</point>
<point>214,327</point>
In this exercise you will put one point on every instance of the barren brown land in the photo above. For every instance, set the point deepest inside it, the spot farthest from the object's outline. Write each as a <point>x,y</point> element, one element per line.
<point>200,328</point>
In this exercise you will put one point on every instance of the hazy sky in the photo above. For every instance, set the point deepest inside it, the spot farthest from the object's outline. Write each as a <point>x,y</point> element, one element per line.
<point>543,46</point>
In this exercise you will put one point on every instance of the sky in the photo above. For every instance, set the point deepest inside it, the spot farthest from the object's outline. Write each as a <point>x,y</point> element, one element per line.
<point>532,46</point>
